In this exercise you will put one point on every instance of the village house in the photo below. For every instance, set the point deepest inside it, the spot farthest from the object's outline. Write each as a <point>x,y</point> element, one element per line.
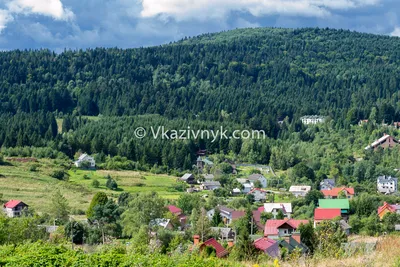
<point>257,218</point>
<point>162,223</point>
<point>338,191</point>
<point>386,184</point>
<point>204,163</point>
<point>224,233</point>
<point>208,177</point>
<point>342,204</point>
<point>388,208</point>
<point>274,208</point>
<point>386,141</point>
<point>286,233</point>
<point>258,177</point>
<point>327,184</point>
<point>268,246</point>
<point>275,229</point>
<point>228,215</point>
<point>299,190</point>
<point>220,251</point>
<point>178,213</point>
<point>85,161</point>
<point>236,191</point>
<point>321,215</point>
<point>312,119</point>
<point>212,185</point>
<point>259,194</point>
<point>247,188</point>
<point>188,178</point>
<point>14,208</point>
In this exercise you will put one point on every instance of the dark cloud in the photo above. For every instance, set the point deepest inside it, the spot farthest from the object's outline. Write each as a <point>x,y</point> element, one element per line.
<point>119,23</point>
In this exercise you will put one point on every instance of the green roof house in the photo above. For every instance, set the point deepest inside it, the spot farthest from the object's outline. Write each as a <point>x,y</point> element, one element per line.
<point>342,204</point>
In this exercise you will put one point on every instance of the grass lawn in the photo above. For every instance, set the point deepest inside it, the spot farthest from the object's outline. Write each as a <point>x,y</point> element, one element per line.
<point>35,188</point>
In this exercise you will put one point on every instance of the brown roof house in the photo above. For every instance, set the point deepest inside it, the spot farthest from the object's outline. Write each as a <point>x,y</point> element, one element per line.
<point>386,141</point>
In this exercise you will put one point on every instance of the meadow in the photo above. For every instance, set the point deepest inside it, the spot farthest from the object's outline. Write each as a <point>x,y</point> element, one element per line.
<point>32,183</point>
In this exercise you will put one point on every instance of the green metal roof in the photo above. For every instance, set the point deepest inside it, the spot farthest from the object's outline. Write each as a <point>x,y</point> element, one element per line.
<point>334,203</point>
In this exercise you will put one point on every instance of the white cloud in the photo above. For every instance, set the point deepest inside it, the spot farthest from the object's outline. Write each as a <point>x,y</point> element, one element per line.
<point>204,9</point>
<point>5,17</point>
<point>396,32</point>
<point>52,8</point>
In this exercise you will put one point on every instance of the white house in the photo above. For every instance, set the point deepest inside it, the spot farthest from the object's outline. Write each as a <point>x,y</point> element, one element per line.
<point>259,194</point>
<point>212,185</point>
<point>312,119</point>
<point>85,158</point>
<point>258,177</point>
<point>387,184</point>
<point>14,208</point>
<point>247,188</point>
<point>327,184</point>
<point>299,190</point>
<point>274,208</point>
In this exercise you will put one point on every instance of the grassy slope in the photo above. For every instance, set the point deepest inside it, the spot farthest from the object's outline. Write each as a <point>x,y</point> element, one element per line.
<point>36,188</point>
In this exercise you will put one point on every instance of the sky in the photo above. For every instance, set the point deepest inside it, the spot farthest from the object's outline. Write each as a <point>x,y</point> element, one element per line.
<point>76,24</point>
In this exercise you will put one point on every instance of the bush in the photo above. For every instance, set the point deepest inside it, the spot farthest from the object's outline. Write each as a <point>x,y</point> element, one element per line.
<point>58,174</point>
<point>34,167</point>
<point>111,184</point>
<point>95,184</point>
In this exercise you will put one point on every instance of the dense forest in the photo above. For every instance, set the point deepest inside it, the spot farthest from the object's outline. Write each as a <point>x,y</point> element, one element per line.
<point>241,79</point>
<point>245,74</point>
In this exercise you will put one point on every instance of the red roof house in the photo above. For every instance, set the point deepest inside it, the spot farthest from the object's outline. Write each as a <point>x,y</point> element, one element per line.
<point>219,249</point>
<point>13,208</point>
<point>321,214</point>
<point>278,228</point>
<point>174,210</point>
<point>387,208</point>
<point>334,192</point>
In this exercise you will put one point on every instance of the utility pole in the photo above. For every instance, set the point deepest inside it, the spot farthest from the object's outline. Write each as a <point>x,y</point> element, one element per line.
<point>72,235</point>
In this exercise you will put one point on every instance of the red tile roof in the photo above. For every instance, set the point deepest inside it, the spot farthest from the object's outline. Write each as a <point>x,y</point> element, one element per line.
<point>271,226</point>
<point>173,209</point>
<point>386,206</point>
<point>264,243</point>
<point>12,204</point>
<point>220,250</point>
<point>326,214</point>
<point>334,192</point>
<point>236,214</point>
<point>257,189</point>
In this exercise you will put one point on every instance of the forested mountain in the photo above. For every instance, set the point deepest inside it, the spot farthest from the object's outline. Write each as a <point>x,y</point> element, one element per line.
<point>246,73</point>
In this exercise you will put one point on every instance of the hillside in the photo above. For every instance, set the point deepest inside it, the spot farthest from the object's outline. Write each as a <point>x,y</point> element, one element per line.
<point>248,73</point>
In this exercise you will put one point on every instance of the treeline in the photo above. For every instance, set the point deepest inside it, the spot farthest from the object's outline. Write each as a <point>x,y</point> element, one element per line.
<point>245,75</point>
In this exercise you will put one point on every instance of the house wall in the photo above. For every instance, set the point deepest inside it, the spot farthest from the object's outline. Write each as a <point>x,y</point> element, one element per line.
<point>259,195</point>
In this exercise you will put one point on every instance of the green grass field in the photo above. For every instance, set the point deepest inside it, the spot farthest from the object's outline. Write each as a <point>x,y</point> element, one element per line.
<point>35,188</point>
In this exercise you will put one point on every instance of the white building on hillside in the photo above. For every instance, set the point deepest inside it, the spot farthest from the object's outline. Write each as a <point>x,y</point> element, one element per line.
<point>274,208</point>
<point>85,158</point>
<point>313,119</point>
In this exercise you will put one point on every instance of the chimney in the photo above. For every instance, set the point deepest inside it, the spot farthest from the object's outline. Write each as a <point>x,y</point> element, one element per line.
<point>296,236</point>
<point>230,243</point>
<point>196,239</point>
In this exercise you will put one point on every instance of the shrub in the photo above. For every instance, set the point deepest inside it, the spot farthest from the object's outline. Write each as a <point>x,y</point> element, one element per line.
<point>95,184</point>
<point>58,174</point>
<point>111,184</point>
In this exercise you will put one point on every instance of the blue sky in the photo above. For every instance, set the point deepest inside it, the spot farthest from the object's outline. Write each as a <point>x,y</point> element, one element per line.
<point>60,24</point>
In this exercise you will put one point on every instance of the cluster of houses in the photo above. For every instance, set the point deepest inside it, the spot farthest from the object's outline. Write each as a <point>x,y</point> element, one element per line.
<point>277,233</point>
